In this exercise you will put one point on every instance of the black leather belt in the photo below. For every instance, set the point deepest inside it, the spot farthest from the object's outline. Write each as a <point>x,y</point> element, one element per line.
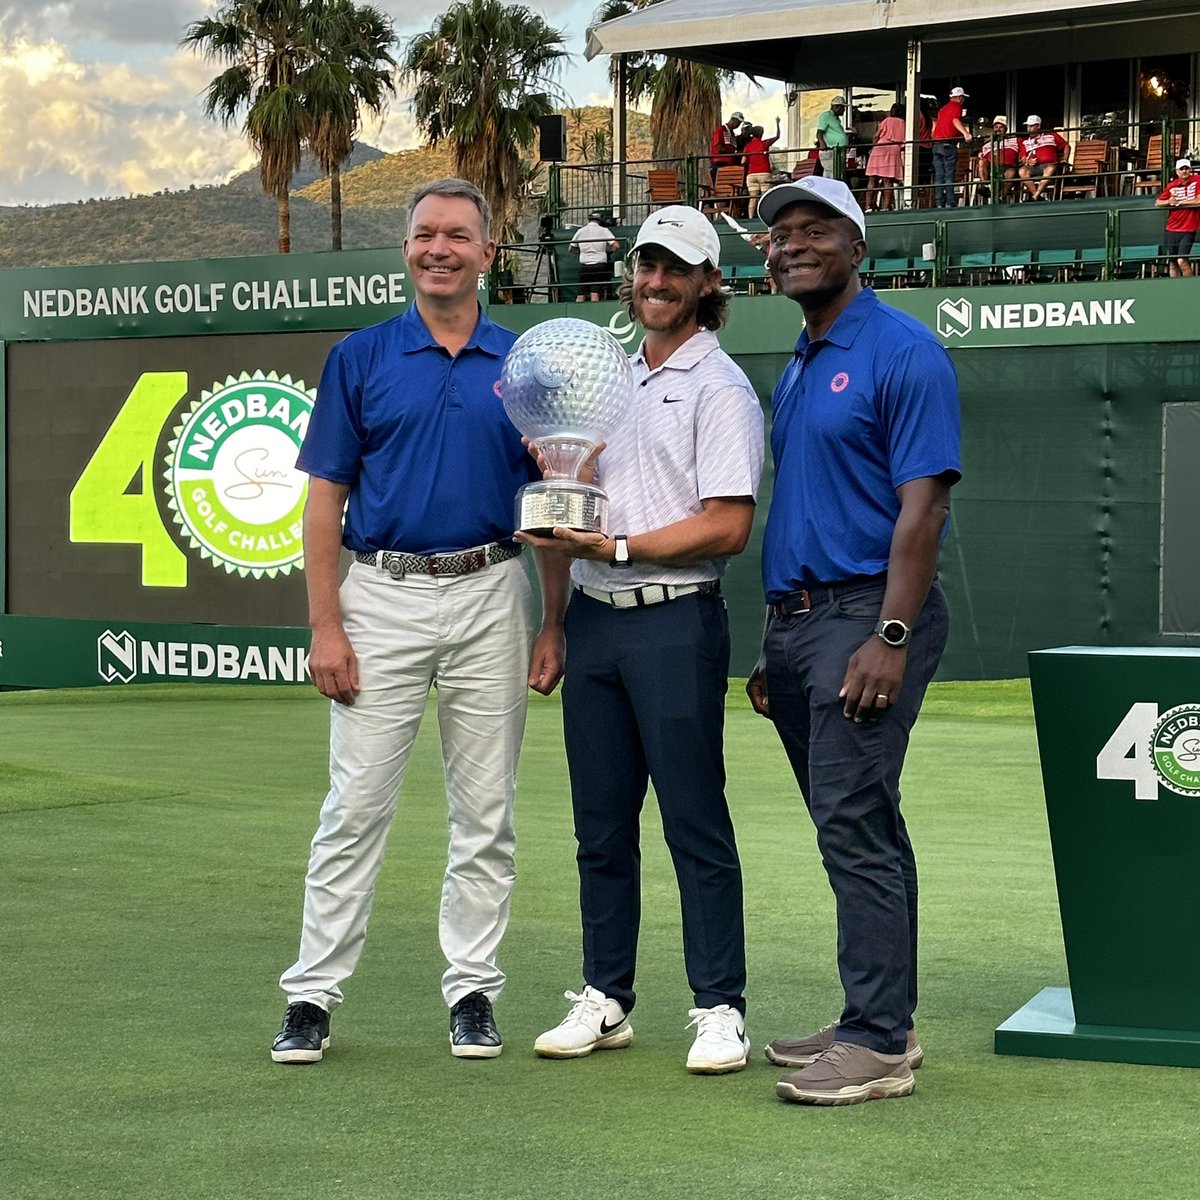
<point>802,601</point>
<point>453,562</point>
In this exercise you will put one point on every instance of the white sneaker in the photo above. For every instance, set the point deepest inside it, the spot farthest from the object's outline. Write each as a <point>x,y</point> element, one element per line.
<point>721,1043</point>
<point>594,1023</point>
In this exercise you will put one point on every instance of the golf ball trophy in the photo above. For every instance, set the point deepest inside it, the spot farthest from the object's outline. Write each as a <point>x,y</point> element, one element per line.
<point>566,384</point>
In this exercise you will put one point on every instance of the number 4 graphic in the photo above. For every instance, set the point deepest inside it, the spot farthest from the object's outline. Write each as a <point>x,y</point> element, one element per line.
<point>1126,755</point>
<point>103,509</point>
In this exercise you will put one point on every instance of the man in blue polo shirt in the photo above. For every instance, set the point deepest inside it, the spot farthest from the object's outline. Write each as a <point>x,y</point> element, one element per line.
<point>409,439</point>
<point>865,438</point>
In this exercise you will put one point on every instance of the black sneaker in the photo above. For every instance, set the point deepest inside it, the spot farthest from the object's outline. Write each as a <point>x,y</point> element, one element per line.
<point>473,1032</point>
<point>304,1036</point>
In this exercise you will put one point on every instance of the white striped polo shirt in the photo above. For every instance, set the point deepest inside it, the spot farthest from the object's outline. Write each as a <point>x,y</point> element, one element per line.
<point>694,432</point>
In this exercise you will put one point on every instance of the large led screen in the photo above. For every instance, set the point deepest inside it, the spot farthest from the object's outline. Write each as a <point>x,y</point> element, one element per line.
<point>155,479</point>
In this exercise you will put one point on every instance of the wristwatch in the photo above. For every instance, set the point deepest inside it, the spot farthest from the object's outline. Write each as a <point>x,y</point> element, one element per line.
<point>620,556</point>
<point>894,632</point>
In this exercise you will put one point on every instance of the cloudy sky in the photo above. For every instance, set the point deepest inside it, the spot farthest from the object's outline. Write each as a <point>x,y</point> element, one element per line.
<point>97,99</point>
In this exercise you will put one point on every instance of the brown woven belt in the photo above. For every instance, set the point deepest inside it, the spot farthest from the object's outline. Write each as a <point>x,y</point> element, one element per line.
<point>455,562</point>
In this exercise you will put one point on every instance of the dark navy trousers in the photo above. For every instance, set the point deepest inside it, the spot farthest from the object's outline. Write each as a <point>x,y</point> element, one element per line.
<point>644,701</point>
<point>849,775</point>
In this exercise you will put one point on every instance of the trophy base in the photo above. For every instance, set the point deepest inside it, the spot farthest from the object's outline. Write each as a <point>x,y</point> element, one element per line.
<point>566,502</point>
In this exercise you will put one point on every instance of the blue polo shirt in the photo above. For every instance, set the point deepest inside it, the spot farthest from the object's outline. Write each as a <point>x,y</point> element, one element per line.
<point>421,438</point>
<point>870,406</point>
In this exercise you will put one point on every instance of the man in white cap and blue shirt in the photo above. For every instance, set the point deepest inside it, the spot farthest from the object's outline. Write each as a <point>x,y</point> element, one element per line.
<point>648,643</point>
<point>865,440</point>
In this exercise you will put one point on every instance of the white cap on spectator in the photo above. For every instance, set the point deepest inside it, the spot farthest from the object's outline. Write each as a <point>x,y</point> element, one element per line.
<point>838,100</point>
<point>958,92</point>
<point>1033,119</point>
<point>1000,121</point>
<point>1183,162</point>
<point>683,230</point>
<point>813,189</point>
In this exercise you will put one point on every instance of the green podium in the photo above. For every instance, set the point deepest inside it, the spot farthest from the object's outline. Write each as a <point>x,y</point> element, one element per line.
<point>1119,739</point>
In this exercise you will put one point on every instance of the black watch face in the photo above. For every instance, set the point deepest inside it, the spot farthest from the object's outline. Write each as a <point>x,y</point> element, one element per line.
<point>893,633</point>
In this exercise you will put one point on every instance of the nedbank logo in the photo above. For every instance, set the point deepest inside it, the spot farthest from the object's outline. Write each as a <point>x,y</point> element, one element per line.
<point>622,327</point>
<point>231,474</point>
<point>1149,749</point>
<point>116,656</point>
<point>122,658</point>
<point>957,318</point>
<point>1175,749</point>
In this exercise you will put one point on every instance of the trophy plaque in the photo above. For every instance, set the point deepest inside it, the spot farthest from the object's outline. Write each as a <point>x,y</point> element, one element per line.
<point>566,384</point>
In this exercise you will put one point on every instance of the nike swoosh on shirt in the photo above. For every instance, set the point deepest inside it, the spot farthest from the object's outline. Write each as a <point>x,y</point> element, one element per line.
<point>673,399</point>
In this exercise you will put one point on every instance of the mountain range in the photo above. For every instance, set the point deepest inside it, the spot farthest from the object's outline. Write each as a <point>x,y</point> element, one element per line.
<point>235,218</point>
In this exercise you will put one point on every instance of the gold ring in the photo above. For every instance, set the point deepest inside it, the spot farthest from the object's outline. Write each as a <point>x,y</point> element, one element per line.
<point>881,696</point>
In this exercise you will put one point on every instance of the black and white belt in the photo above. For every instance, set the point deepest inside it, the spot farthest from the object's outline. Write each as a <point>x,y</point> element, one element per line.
<point>650,593</point>
<point>453,562</point>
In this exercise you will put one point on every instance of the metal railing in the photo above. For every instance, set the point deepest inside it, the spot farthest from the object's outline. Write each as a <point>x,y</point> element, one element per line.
<point>980,176</point>
<point>984,245</point>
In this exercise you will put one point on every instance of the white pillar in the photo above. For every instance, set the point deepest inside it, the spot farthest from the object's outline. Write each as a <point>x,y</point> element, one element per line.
<point>912,94</point>
<point>620,138</point>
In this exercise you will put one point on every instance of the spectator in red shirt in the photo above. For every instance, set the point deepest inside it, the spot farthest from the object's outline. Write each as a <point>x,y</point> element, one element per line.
<point>1182,197</point>
<point>1043,152</point>
<point>947,130</point>
<point>758,163</point>
<point>722,148</point>
<point>1008,157</point>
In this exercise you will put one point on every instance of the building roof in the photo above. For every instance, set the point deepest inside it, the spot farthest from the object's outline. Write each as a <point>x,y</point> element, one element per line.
<point>818,43</point>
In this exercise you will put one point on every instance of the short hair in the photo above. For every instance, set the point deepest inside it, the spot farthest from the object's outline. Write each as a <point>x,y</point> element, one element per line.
<point>460,189</point>
<point>711,312</point>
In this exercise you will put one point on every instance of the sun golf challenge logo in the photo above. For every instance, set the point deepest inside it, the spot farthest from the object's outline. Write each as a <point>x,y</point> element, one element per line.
<point>231,477</point>
<point>1175,749</point>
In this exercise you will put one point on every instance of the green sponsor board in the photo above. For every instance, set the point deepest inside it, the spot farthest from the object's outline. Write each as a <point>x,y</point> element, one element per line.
<point>1138,310</point>
<point>260,294</point>
<point>37,652</point>
<point>1119,739</point>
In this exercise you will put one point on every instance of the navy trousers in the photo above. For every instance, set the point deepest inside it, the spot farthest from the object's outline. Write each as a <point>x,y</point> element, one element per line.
<point>945,160</point>
<point>644,701</point>
<point>849,775</point>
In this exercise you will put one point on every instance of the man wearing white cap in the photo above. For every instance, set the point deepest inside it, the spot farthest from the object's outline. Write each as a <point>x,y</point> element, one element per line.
<point>1042,152</point>
<point>948,128</point>
<point>1182,197</point>
<point>648,640</point>
<point>865,438</point>
<point>832,135</point>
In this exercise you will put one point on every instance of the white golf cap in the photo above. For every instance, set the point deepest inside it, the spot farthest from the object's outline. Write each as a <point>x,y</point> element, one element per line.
<point>958,92</point>
<point>683,230</point>
<point>1033,119</point>
<point>838,100</point>
<point>1001,121</point>
<point>1183,162</point>
<point>813,189</point>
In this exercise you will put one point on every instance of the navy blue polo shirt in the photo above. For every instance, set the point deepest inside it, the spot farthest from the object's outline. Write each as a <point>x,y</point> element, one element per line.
<point>868,407</point>
<point>421,438</point>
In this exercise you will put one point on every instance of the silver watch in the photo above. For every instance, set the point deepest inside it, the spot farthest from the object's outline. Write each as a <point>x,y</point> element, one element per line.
<point>894,632</point>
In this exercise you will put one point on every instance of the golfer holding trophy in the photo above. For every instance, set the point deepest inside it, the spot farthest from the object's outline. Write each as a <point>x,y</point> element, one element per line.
<point>647,634</point>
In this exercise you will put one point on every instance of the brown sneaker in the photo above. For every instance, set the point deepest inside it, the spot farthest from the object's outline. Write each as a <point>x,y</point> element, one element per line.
<point>847,1073</point>
<point>799,1052</point>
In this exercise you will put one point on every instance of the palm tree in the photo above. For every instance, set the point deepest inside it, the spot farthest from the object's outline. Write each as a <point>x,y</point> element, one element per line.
<point>482,77</point>
<point>268,44</point>
<point>353,72</point>
<point>685,96</point>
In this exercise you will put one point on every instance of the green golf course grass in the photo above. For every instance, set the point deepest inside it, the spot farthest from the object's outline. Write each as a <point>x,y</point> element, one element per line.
<point>152,851</point>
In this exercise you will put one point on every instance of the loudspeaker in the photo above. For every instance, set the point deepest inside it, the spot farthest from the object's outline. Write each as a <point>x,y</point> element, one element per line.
<point>552,139</point>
